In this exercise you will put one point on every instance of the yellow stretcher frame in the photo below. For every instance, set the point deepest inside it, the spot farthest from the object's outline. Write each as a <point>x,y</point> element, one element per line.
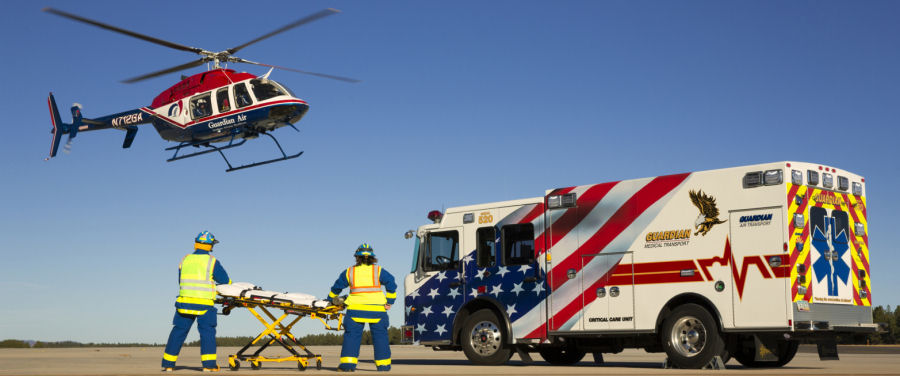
<point>276,331</point>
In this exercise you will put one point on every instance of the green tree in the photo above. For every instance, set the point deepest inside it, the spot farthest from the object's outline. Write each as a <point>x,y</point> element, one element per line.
<point>13,344</point>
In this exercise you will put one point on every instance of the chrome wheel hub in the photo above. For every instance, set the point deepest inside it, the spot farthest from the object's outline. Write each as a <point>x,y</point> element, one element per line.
<point>688,336</point>
<point>485,338</point>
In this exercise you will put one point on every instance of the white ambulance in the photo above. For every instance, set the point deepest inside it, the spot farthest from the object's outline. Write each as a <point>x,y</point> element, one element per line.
<point>740,263</point>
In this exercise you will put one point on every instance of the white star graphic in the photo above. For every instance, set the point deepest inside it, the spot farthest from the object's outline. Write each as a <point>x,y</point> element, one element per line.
<point>517,288</point>
<point>454,293</point>
<point>524,268</point>
<point>481,273</point>
<point>414,294</point>
<point>474,293</point>
<point>510,309</point>
<point>440,329</point>
<point>496,290</point>
<point>440,277</point>
<point>538,288</point>
<point>448,310</point>
<point>420,328</point>
<point>468,258</point>
<point>433,293</point>
<point>408,310</point>
<point>426,311</point>
<point>502,271</point>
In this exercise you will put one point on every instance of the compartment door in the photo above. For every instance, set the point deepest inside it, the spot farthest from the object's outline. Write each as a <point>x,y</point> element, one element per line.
<point>759,297</point>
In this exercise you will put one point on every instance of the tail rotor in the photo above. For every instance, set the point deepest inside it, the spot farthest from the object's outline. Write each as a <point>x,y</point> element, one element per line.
<point>59,128</point>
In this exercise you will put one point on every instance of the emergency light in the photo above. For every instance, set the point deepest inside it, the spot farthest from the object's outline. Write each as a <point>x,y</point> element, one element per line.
<point>435,216</point>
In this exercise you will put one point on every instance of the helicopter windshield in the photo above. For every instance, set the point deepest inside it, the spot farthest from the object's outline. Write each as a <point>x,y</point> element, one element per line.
<point>266,89</point>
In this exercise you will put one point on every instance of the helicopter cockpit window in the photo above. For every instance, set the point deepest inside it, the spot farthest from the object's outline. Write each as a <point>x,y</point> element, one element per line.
<point>222,100</point>
<point>200,106</point>
<point>242,96</point>
<point>265,89</point>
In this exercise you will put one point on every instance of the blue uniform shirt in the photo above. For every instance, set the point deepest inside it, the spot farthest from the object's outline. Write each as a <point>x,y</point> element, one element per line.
<point>219,275</point>
<point>386,280</point>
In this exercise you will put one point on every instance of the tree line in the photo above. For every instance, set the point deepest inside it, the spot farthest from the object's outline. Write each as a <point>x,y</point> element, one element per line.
<point>890,318</point>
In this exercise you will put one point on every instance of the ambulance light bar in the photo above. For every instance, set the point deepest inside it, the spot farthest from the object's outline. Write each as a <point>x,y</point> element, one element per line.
<point>859,228</point>
<point>562,201</point>
<point>773,177</point>
<point>812,177</point>
<point>799,222</point>
<point>827,180</point>
<point>435,216</point>
<point>843,183</point>
<point>857,189</point>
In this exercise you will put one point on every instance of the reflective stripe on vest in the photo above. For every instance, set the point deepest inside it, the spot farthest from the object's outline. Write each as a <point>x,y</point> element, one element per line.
<point>365,287</point>
<point>195,279</point>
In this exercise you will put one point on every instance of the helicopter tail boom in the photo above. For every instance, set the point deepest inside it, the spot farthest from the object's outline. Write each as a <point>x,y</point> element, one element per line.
<point>126,121</point>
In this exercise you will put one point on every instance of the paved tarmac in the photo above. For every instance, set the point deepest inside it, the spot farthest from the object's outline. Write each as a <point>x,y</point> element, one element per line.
<point>415,360</point>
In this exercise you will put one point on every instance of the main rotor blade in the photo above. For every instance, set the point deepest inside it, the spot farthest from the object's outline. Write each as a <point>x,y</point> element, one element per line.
<point>323,75</point>
<point>123,31</point>
<point>164,71</point>
<point>307,19</point>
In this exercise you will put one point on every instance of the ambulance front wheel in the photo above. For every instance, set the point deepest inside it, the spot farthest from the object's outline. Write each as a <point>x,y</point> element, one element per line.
<point>691,337</point>
<point>483,340</point>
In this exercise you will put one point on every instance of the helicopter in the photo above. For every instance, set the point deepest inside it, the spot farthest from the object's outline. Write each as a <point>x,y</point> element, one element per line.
<point>219,106</point>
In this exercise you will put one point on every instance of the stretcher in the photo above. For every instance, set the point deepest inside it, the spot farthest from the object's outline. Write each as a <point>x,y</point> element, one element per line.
<point>294,307</point>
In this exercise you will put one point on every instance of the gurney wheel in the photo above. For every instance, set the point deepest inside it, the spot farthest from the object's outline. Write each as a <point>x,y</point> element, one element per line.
<point>319,364</point>
<point>255,364</point>
<point>234,364</point>
<point>300,366</point>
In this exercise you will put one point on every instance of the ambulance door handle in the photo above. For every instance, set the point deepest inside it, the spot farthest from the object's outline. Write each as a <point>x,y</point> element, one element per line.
<point>455,284</point>
<point>530,279</point>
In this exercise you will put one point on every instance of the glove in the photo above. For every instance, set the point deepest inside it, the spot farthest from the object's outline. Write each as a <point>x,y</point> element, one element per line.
<point>337,300</point>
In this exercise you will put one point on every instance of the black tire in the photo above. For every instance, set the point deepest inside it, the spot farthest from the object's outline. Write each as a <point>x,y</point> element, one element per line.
<point>300,366</point>
<point>234,364</point>
<point>785,351</point>
<point>318,364</point>
<point>690,337</point>
<point>255,364</point>
<point>484,340</point>
<point>561,355</point>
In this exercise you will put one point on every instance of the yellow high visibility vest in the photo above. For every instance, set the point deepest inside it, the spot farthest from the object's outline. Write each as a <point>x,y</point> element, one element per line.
<point>196,285</point>
<point>365,287</point>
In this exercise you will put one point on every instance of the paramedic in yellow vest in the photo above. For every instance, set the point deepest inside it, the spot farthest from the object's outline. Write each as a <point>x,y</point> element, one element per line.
<point>367,304</point>
<point>198,275</point>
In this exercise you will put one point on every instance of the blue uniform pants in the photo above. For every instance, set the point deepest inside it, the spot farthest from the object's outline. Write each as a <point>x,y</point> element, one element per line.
<point>354,322</point>
<point>206,325</point>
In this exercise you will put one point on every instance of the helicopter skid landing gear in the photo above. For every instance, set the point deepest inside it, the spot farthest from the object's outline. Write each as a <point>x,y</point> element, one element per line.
<point>231,144</point>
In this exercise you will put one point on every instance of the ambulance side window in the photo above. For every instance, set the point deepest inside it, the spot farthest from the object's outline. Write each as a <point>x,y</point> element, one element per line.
<point>442,252</point>
<point>518,244</point>
<point>487,246</point>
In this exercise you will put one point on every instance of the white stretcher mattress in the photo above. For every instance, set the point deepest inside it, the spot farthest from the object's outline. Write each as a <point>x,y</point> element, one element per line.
<point>250,291</point>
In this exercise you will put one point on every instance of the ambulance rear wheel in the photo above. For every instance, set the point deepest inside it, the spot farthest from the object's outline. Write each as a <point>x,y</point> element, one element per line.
<point>691,337</point>
<point>483,340</point>
<point>561,355</point>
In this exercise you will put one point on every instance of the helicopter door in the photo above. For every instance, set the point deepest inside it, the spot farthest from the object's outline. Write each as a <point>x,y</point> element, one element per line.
<point>242,96</point>
<point>222,102</point>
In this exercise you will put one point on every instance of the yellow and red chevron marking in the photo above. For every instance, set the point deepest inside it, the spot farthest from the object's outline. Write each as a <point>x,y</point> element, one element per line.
<point>855,206</point>
<point>799,244</point>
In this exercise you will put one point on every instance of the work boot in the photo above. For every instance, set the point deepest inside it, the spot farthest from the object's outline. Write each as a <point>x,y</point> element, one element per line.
<point>345,370</point>
<point>168,369</point>
<point>384,368</point>
<point>211,369</point>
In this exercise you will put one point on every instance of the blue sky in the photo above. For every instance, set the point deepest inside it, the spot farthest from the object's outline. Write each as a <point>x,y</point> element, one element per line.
<point>461,103</point>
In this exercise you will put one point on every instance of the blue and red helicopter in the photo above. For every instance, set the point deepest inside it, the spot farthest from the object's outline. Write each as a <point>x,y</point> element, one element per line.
<point>216,106</point>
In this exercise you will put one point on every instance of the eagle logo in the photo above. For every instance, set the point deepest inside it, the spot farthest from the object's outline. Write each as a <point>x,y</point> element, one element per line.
<point>709,214</point>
